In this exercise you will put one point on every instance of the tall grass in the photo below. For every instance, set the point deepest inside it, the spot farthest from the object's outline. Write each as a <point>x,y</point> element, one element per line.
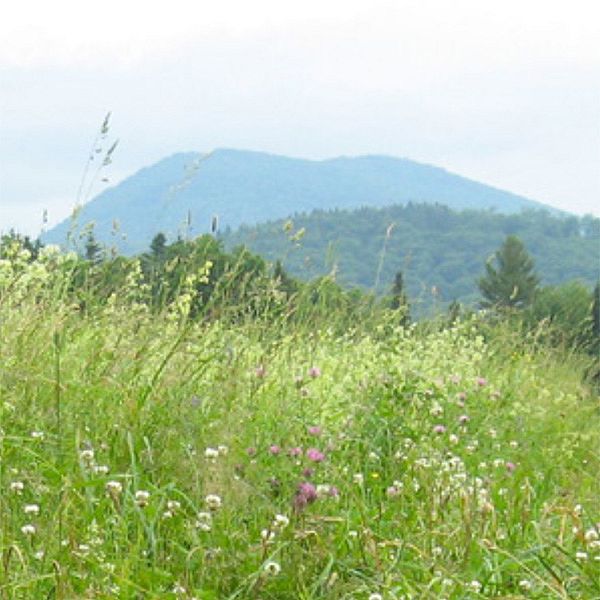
<point>146,454</point>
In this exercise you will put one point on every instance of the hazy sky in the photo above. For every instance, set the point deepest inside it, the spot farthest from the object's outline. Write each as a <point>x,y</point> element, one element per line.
<point>504,92</point>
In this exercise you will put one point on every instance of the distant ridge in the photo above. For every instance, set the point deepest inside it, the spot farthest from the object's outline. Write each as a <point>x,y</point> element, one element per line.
<point>247,187</point>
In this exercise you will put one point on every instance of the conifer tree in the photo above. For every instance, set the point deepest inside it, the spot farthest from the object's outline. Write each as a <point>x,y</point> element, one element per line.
<point>511,282</point>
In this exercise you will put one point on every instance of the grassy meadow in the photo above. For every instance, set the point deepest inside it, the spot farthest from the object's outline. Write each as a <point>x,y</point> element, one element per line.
<point>145,454</point>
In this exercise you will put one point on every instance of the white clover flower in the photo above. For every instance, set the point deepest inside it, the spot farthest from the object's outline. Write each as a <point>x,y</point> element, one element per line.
<point>223,450</point>
<point>578,510</point>
<point>31,509</point>
<point>513,444</point>
<point>173,505</point>
<point>525,585</point>
<point>211,453</point>
<point>272,568</point>
<point>213,501</point>
<point>475,585</point>
<point>358,478</point>
<point>142,497</point>
<point>375,596</point>
<point>37,435</point>
<point>114,487</point>
<point>17,487</point>
<point>28,529</point>
<point>267,535</point>
<point>323,490</point>
<point>101,469</point>
<point>280,522</point>
<point>581,556</point>
<point>453,438</point>
<point>87,455</point>
<point>204,521</point>
<point>179,590</point>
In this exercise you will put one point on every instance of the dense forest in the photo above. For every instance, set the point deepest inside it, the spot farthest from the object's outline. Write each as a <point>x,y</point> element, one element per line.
<point>441,252</point>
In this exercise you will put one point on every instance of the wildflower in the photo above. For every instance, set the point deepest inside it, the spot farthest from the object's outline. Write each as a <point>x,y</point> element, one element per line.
<point>87,455</point>
<point>31,509</point>
<point>464,419</point>
<point>267,535</point>
<point>314,430</point>
<point>28,529</point>
<point>17,487</point>
<point>308,473</point>
<point>211,453</point>
<point>204,521</point>
<point>392,491</point>
<point>375,596</point>
<point>581,556</point>
<point>314,372</point>
<point>173,505</point>
<point>272,568</point>
<point>358,478</point>
<point>280,522</point>
<point>296,451</point>
<point>315,455</point>
<point>453,438</point>
<point>114,487</point>
<point>525,585</point>
<point>510,467</point>
<point>513,444</point>
<point>142,497</point>
<point>305,494</point>
<point>223,450</point>
<point>439,429</point>
<point>591,535</point>
<point>213,501</point>
<point>274,449</point>
<point>481,381</point>
<point>436,410</point>
<point>101,469</point>
<point>37,435</point>
<point>179,590</point>
<point>475,586</point>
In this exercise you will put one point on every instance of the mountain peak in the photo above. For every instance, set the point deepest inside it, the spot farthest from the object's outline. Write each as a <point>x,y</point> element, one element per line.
<point>247,187</point>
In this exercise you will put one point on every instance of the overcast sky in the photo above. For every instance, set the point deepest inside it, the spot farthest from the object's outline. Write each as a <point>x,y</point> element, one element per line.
<point>504,92</point>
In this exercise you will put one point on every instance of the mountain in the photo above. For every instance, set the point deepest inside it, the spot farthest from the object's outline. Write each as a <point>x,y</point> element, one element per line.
<point>435,247</point>
<point>183,192</point>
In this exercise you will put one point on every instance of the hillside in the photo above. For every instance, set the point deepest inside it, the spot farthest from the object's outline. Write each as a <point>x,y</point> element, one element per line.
<point>433,246</point>
<point>243,187</point>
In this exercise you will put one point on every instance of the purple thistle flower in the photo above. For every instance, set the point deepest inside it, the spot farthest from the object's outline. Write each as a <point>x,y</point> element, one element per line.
<point>314,430</point>
<point>481,381</point>
<point>296,451</point>
<point>510,466</point>
<point>274,449</point>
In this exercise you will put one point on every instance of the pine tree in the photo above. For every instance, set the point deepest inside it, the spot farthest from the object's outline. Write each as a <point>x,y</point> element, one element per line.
<point>512,281</point>
<point>399,300</point>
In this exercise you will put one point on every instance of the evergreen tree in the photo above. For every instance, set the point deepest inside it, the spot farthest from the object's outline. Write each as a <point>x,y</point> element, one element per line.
<point>158,245</point>
<point>511,282</point>
<point>93,250</point>
<point>399,300</point>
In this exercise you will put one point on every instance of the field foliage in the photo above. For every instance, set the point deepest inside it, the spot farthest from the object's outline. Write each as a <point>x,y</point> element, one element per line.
<point>146,454</point>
